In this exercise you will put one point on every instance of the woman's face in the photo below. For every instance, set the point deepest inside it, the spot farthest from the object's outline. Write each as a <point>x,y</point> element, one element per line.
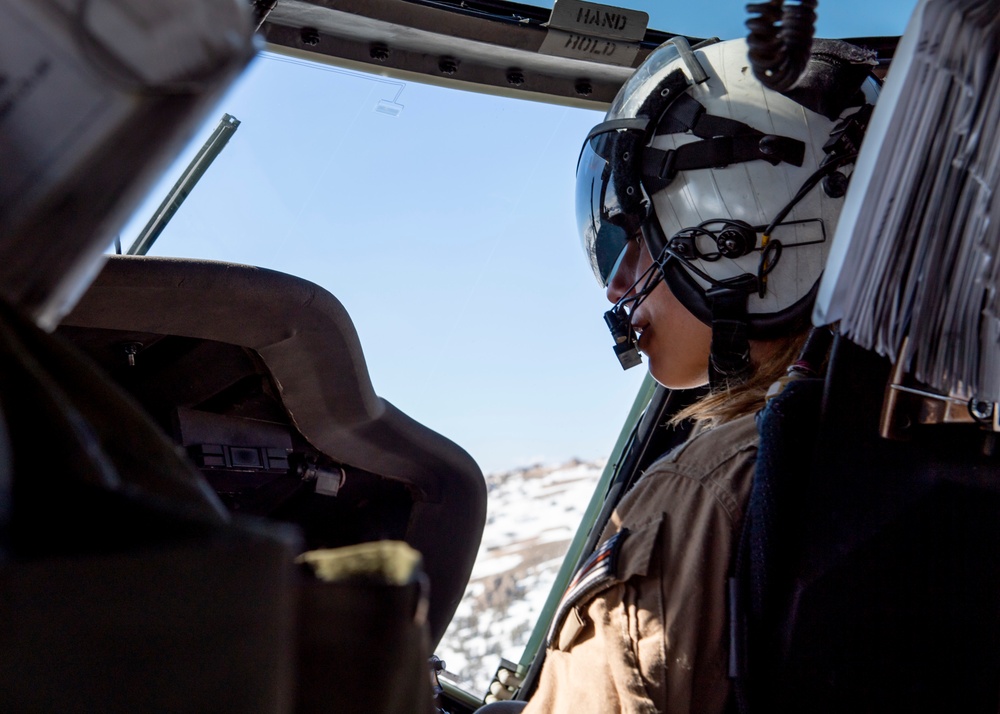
<point>676,343</point>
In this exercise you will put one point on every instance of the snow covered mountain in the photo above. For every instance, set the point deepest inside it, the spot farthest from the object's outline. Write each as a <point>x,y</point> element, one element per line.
<point>532,515</point>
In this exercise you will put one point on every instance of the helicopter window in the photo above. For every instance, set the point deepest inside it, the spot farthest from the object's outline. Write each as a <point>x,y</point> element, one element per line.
<point>723,18</point>
<point>443,221</point>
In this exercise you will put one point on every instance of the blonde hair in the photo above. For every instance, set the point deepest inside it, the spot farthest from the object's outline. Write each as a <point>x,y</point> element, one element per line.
<point>731,402</point>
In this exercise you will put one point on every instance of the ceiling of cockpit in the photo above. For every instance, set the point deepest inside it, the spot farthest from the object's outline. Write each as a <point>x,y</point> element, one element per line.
<point>517,49</point>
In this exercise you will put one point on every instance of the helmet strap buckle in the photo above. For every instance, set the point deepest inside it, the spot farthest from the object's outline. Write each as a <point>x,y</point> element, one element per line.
<point>729,359</point>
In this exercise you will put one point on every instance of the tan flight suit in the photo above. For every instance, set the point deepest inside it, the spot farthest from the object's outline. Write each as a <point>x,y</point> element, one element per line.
<point>654,635</point>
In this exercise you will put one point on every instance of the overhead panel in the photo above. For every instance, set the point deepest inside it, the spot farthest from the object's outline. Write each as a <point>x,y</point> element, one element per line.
<point>579,53</point>
<point>495,47</point>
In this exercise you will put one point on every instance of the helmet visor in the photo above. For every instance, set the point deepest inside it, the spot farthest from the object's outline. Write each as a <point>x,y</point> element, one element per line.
<point>611,204</point>
<point>603,224</point>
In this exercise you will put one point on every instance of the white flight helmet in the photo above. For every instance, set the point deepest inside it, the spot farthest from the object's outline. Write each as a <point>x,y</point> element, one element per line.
<point>736,188</point>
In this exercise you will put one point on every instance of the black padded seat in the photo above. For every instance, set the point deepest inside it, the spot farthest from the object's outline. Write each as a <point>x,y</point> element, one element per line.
<point>304,337</point>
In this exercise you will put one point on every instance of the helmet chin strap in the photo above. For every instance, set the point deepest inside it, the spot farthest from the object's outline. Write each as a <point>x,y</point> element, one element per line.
<point>729,359</point>
<point>619,317</point>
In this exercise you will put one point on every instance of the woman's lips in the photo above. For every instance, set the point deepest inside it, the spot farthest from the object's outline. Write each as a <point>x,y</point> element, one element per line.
<point>639,329</point>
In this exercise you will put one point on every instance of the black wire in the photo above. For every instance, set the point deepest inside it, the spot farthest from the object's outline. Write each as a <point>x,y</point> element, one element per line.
<point>770,253</point>
<point>774,247</point>
<point>691,266</point>
<point>633,298</point>
<point>693,234</point>
<point>766,264</point>
<point>652,277</point>
<point>702,230</point>
<point>764,267</point>
<point>808,185</point>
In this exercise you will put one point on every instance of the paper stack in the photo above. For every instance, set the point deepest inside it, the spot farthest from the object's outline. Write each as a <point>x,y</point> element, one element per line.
<point>916,250</point>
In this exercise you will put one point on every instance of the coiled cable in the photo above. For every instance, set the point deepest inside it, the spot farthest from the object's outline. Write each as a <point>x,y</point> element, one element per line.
<point>780,41</point>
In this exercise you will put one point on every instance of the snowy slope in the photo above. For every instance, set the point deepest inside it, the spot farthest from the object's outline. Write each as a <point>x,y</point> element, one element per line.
<point>532,515</point>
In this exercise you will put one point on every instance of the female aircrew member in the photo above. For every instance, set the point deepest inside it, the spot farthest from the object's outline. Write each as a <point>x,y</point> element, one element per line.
<point>707,203</point>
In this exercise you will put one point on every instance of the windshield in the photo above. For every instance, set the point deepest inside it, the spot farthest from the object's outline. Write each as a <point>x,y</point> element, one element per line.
<point>446,228</point>
<point>443,221</point>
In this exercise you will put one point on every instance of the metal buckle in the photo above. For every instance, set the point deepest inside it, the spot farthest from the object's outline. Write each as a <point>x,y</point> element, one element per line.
<point>908,403</point>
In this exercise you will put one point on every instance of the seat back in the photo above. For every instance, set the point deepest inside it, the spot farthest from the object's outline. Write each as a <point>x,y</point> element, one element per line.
<point>126,586</point>
<point>225,350</point>
<point>870,568</point>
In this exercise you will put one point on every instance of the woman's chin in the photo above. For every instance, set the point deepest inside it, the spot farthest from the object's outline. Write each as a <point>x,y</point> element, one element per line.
<point>672,378</point>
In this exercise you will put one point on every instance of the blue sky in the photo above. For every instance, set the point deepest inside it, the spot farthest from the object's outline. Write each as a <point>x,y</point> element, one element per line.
<point>447,232</point>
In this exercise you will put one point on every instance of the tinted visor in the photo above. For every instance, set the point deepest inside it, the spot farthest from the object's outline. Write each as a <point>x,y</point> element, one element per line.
<point>611,204</point>
<point>605,227</point>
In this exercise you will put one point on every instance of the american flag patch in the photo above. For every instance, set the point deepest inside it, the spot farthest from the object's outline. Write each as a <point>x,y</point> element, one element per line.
<point>600,569</point>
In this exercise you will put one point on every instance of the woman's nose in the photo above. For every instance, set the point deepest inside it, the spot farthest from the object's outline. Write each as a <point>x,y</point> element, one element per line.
<point>623,278</point>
